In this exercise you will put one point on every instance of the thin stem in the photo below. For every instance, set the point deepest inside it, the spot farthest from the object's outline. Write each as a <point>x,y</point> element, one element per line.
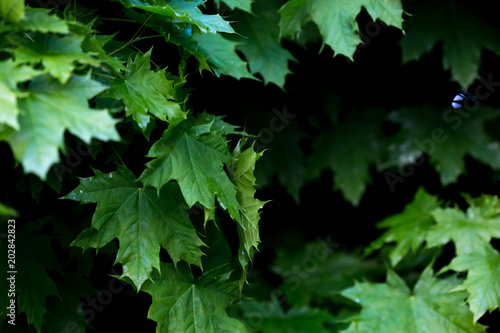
<point>119,157</point>
<point>132,39</point>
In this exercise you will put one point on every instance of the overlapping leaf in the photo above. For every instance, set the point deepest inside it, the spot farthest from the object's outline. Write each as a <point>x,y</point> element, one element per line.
<point>49,109</point>
<point>183,11</point>
<point>446,136</point>
<point>39,19</point>
<point>10,75</point>
<point>336,20</point>
<point>221,54</point>
<point>409,228</point>
<point>194,155</point>
<point>462,32</point>
<point>261,45</point>
<point>482,282</point>
<point>182,303</point>
<point>143,220</point>
<point>470,231</point>
<point>242,175</point>
<point>57,54</point>
<point>432,306</point>
<point>146,92</point>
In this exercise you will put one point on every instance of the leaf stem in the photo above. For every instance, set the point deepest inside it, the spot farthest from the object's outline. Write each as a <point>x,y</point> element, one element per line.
<point>132,39</point>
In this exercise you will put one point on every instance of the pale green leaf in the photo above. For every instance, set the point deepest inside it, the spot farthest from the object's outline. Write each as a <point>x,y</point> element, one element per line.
<point>142,220</point>
<point>10,75</point>
<point>432,306</point>
<point>39,19</point>
<point>409,228</point>
<point>470,231</point>
<point>146,92</point>
<point>57,54</point>
<point>195,158</point>
<point>51,108</point>
<point>482,282</point>
<point>294,14</point>
<point>182,303</point>
<point>12,10</point>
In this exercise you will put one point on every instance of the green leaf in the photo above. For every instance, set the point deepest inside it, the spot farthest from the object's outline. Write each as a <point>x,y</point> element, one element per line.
<point>49,109</point>
<point>470,231</point>
<point>145,92</point>
<point>294,14</point>
<point>336,20</point>
<point>245,5</point>
<point>195,158</point>
<point>183,11</point>
<point>221,54</point>
<point>7,211</point>
<point>407,229</point>
<point>39,19</point>
<point>432,306</point>
<point>142,220</point>
<point>261,45</point>
<point>242,175</point>
<point>482,283</point>
<point>57,54</point>
<point>11,74</point>
<point>12,10</point>
<point>269,317</point>
<point>350,156</point>
<point>319,271</point>
<point>446,137</point>
<point>460,29</point>
<point>182,303</point>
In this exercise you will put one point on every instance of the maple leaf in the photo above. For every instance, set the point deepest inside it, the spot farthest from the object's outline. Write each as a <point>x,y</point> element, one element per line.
<point>245,5</point>
<point>12,10</point>
<point>39,19</point>
<point>446,137</point>
<point>10,74</point>
<point>462,32</point>
<point>145,92</point>
<point>408,228</point>
<point>142,219</point>
<point>261,45</point>
<point>432,306</point>
<point>269,317</point>
<point>180,10</point>
<point>221,54</point>
<point>48,110</point>
<point>470,231</point>
<point>182,303</point>
<point>318,271</point>
<point>194,155</point>
<point>285,160</point>
<point>336,20</point>
<point>242,175</point>
<point>482,283</point>
<point>350,155</point>
<point>57,54</point>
